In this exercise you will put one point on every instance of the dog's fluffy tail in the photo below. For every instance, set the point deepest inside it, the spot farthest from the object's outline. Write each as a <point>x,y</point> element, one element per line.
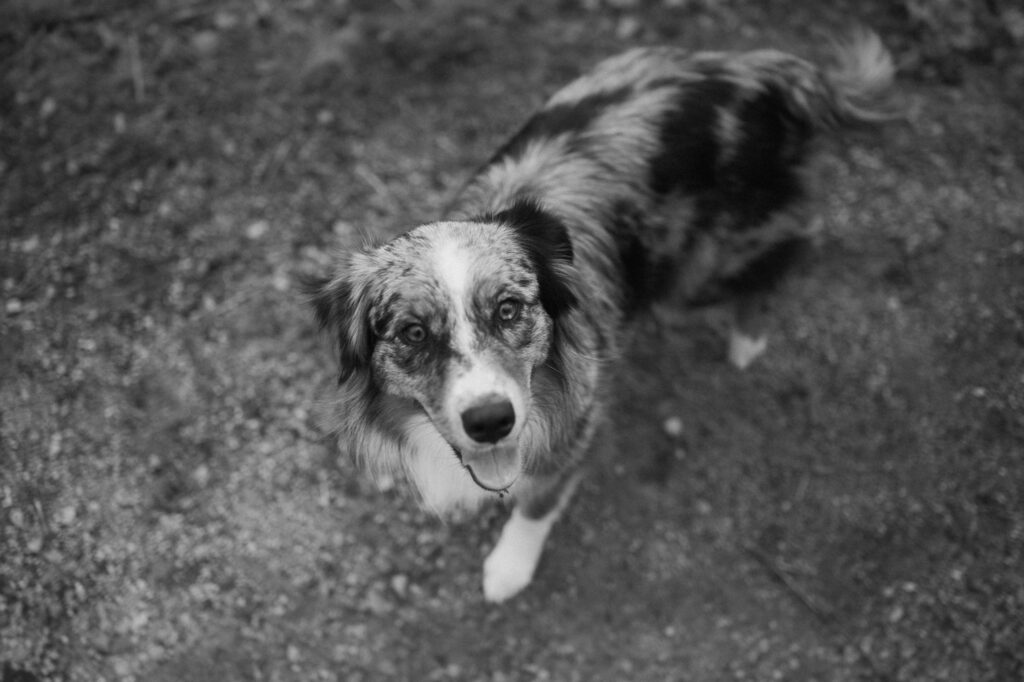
<point>847,92</point>
<point>862,72</point>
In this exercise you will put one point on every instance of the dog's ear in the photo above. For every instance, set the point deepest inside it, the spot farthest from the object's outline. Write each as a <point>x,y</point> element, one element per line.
<point>546,241</point>
<point>341,307</point>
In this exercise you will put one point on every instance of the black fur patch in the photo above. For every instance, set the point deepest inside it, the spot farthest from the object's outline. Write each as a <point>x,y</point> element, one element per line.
<point>426,358</point>
<point>760,176</point>
<point>689,142</point>
<point>336,311</point>
<point>739,182</point>
<point>546,241</point>
<point>559,119</point>
<point>645,275</point>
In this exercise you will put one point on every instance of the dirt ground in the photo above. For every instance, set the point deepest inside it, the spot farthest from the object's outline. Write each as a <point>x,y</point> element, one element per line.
<point>850,508</point>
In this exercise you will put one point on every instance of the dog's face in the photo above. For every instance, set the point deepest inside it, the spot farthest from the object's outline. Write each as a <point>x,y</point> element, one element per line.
<point>455,317</point>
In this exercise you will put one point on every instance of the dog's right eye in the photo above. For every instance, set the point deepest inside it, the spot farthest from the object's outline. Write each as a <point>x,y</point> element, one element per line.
<point>508,310</point>
<point>414,333</point>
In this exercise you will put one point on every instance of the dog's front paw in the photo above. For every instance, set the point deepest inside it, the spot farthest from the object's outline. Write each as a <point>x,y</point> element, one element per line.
<point>743,349</point>
<point>506,574</point>
<point>510,565</point>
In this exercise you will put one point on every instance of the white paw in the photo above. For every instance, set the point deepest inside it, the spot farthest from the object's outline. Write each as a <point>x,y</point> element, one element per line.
<point>506,575</point>
<point>510,565</point>
<point>743,349</point>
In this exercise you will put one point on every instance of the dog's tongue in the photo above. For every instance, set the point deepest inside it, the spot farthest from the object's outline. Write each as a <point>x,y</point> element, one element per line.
<point>494,471</point>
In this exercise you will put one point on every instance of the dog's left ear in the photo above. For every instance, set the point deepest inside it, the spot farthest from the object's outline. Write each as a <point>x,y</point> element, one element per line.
<point>546,241</point>
<point>340,307</point>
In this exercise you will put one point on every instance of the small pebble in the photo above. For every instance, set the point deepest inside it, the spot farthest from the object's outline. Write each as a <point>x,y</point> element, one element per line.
<point>48,107</point>
<point>201,475</point>
<point>205,42</point>
<point>257,229</point>
<point>225,20</point>
<point>67,515</point>
<point>377,603</point>
<point>673,427</point>
<point>400,584</point>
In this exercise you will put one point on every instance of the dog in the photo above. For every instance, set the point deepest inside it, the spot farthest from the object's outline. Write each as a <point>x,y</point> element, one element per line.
<point>474,351</point>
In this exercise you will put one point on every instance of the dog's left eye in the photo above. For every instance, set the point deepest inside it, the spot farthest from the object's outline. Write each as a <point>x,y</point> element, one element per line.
<point>509,310</point>
<point>414,334</point>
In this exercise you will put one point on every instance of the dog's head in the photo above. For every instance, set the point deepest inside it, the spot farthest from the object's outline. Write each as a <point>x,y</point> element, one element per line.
<point>455,317</point>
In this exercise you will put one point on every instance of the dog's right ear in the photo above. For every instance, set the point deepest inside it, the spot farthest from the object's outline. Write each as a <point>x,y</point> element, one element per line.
<point>546,241</point>
<point>341,308</point>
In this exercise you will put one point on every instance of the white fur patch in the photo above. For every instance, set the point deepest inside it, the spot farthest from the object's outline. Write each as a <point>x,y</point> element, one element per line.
<point>482,379</point>
<point>743,349</point>
<point>443,484</point>
<point>511,564</point>
<point>452,265</point>
<point>864,66</point>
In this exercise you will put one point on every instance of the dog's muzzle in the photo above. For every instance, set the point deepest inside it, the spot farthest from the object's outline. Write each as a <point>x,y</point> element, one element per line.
<point>489,421</point>
<point>494,466</point>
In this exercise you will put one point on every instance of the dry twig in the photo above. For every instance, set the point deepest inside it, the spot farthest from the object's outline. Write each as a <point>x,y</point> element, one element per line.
<point>821,612</point>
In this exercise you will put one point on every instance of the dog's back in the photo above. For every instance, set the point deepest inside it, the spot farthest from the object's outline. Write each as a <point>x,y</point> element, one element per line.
<point>672,167</point>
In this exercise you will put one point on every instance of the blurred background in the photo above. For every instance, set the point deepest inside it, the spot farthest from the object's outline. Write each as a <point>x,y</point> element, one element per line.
<point>850,508</point>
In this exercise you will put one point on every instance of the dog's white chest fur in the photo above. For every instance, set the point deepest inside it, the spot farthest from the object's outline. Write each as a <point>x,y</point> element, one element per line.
<point>436,473</point>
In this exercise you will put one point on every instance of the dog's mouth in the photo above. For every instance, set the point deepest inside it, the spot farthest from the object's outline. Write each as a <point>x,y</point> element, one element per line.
<point>490,472</point>
<point>494,471</point>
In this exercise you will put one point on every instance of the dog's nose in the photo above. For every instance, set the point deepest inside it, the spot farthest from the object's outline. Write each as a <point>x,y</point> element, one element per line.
<point>489,422</point>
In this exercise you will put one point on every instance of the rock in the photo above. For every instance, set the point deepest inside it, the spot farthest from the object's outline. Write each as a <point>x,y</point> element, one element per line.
<point>225,20</point>
<point>67,515</point>
<point>201,475</point>
<point>205,42</point>
<point>257,229</point>
<point>376,602</point>
<point>400,584</point>
<point>673,427</point>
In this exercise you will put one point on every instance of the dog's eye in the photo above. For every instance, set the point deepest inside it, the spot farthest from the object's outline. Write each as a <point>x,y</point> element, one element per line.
<point>509,310</point>
<point>414,333</point>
